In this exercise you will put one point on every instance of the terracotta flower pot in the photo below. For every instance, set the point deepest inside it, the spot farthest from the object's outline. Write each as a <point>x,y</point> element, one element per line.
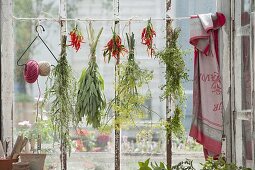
<point>20,166</point>
<point>36,161</point>
<point>6,164</point>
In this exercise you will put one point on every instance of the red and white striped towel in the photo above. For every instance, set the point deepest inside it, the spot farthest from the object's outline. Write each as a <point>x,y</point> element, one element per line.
<point>207,125</point>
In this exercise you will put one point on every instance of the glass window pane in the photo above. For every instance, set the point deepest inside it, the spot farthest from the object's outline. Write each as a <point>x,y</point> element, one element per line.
<point>95,9</point>
<point>90,148</point>
<point>183,8</point>
<point>142,9</point>
<point>35,8</point>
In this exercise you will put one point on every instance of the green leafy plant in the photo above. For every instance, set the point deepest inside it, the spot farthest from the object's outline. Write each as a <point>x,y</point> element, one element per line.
<point>144,134</point>
<point>129,100</point>
<point>144,165</point>
<point>210,164</point>
<point>160,166</point>
<point>175,73</point>
<point>42,128</point>
<point>61,93</point>
<point>184,165</point>
<point>91,100</point>
<point>220,164</point>
<point>152,166</point>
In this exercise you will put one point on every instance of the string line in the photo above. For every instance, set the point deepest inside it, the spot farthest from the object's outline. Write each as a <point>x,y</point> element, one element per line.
<point>103,19</point>
<point>37,104</point>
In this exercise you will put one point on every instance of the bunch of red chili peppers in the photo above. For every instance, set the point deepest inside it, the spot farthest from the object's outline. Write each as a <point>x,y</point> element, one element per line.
<point>147,37</point>
<point>114,48</point>
<point>76,38</point>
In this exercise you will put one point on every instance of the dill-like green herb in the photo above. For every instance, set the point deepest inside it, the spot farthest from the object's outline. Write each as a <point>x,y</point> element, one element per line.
<point>132,78</point>
<point>60,93</point>
<point>175,73</point>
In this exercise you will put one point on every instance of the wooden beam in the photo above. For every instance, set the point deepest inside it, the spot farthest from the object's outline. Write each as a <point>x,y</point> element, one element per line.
<point>117,130</point>
<point>0,67</point>
<point>7,70</point>
<point>63,30</point>
<point>252,35</point>
<point>169,32</point>
<point>226,66</point>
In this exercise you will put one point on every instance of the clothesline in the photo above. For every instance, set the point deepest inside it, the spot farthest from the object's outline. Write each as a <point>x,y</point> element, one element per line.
<point>93,19</point>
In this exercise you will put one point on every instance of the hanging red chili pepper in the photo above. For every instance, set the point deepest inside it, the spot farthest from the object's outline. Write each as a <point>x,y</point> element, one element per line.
<point>147,37</point>
<point>114,48</point>
<point>76,38</point>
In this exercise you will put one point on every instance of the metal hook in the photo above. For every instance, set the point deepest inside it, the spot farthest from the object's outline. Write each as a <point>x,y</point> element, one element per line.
<point>36,28</point>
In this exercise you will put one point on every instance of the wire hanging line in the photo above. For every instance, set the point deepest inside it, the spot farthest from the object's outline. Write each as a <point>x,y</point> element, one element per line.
<point>103,19</point>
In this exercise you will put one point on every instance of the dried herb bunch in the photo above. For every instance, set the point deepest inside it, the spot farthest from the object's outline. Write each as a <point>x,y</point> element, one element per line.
<point>91,100</point>
<point>175,73</point>
<point>61,93</point>
<point>130,100</point>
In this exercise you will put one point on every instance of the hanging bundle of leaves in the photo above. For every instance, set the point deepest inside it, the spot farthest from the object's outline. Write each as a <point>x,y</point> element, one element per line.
<point>91,100</point>
<point>60,93</point>
<point>130,101</point>
<point>175,73</point>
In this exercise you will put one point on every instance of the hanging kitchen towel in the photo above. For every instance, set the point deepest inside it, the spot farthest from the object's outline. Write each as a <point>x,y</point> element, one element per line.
<point>207,125</point>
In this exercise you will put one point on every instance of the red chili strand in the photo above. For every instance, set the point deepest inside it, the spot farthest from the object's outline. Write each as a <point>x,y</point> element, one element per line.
<point>76,38</point>
<point>114,48</point>
<point>147,36</point>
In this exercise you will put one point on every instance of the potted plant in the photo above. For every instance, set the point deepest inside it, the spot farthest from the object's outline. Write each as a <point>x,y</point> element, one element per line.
<point>6,164</point>
<point>40,130</point>
<point>36,133</point>
<point>36,161</point>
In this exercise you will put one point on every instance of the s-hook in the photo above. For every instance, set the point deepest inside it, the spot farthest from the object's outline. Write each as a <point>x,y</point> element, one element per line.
<point>38,35</point>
